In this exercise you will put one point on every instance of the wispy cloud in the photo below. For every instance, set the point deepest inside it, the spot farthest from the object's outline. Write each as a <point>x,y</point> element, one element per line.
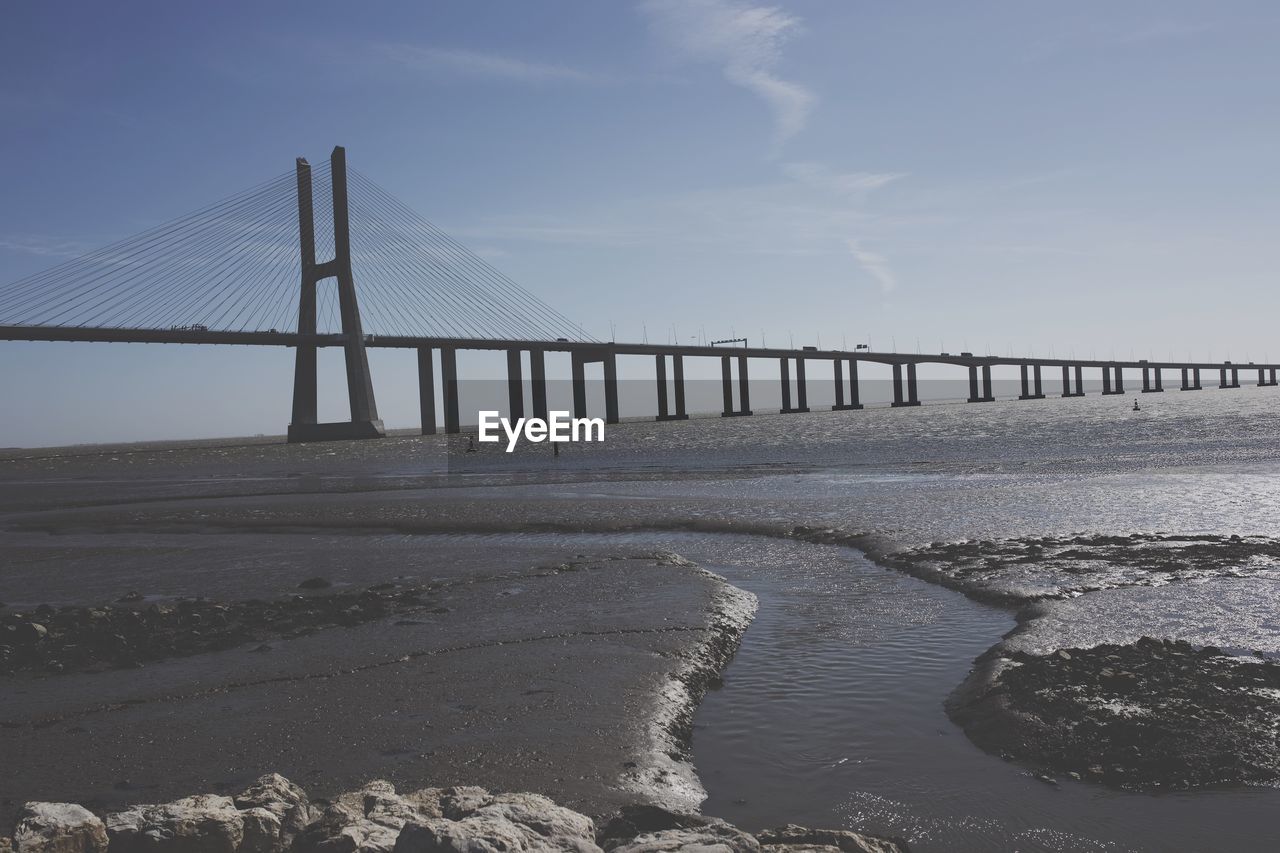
<point>746,41</point>
<point>875,265</point>
<point>844,183</point>
<point>476,64</point>
<point>37,245</point>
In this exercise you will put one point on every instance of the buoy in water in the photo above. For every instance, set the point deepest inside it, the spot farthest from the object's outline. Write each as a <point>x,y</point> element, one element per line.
<point>1136,407</point>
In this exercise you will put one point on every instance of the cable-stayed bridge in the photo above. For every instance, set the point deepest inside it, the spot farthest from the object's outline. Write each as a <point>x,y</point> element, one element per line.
<point>255,269</point>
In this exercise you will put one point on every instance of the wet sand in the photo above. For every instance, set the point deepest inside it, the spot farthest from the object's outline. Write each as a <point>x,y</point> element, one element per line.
<point>576,678</point>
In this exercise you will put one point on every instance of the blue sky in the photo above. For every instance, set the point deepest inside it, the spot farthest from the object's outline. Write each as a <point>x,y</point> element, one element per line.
<point>1088,177</point>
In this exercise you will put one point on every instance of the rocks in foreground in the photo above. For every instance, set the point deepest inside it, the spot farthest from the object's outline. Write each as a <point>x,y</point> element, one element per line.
<point>1150,714</point>
<point>274,816</point>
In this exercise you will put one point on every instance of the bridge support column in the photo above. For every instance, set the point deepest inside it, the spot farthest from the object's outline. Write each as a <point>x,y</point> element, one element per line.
<point>1119,383</point>
<point>610,387</point>
<point>426,391</point>
<point>1036,382</point>
<point>973,384</point>
<point>364,421</point>
<point>1195,385</point>
<point>1079,381</point>
<point>1262,379</point>
<point>838,368</point>
<point>802,387</point>
<point>1235,377</point>
<point>1106,380</point>
<point>853,387</point>
<point>784,370</point>
<point>515,385</point>
<point>664,412</point>
<point>1273,377</point>
<point>1146,380</point>
<point>449,376</point>
<point>1222,378</point>
<point>1186,386</point>
<point>660,366</point>
<point>579,369</point>
<point>677,364</point>
<point>538,376</point>
<point>1026,389</point>
<point>912,391</point>
<point>1158,376</point>
<point>784,373</point>
<point>744,393</point>
<point>1066,381</point>
<point>988,390</point>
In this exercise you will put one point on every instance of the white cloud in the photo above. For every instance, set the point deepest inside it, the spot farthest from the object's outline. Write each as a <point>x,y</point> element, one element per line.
<point>475,64</point>
<point>746,40</point>
<point>844,183</point>
<point>875,264</point>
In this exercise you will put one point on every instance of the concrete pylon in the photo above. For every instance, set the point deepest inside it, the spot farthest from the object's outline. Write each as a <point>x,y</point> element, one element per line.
<point>364,421</point>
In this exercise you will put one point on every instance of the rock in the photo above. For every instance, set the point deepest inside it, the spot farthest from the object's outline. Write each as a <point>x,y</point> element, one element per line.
<point>58,828</point>
<point>479,822</point>
<point>315,583</point>
<point>129,597</point>
<point>793,839</point>
<point>368,820</point>
<point>285,800</point>
<point>635,820</point>
<point>458,802</point>
<point>205,823</point>
<point>714,837</point>
<point>262,832</point>
<point>6,844</point>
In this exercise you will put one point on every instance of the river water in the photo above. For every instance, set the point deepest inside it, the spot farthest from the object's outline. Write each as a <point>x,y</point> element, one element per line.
<point>832,711</point>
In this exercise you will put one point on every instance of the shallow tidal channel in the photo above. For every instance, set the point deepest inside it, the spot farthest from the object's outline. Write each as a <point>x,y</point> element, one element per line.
<point>831,714</point>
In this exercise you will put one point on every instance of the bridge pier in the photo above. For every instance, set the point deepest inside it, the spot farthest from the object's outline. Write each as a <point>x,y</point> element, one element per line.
<point>980,393</point>
<point>538,376</point>
<point>426,391</point>
<point>1235,377</point>
<point>515,385</point>
<point>364,422</point>
<point>854,402</point>
<point>744,394</point>
<point>1110,386</point>
<point>677,365</point>
<point>1148,373</point>
<point>784,369</point>
<point>912,390</point>
<point>609,359</point>
<point>449,376</point>
<point>1027,392</point>
<point>1222,377</point>
<point>1158,375</point>
<point>1066,381</point>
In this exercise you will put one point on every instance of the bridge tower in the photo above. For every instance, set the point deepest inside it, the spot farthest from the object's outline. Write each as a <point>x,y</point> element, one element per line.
<point>364,421</point>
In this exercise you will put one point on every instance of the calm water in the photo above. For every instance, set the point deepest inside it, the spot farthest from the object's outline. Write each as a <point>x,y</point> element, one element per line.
<point>831,714</point>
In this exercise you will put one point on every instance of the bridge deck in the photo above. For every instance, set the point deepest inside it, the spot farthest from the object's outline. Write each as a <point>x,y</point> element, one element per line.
<point>291,339</point>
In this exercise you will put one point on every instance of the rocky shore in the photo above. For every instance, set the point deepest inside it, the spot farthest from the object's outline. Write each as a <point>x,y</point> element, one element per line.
<point>273,815</point>
<point>1155,714</point>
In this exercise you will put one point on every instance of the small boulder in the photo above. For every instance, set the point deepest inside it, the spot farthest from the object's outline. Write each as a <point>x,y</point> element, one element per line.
<point>794,839</point>
<point>715,837</point>
<point>262,832</point>
<point>285,800</point>
<point>58,828</point>
<point>368,820</point>
<point>205,823</point>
